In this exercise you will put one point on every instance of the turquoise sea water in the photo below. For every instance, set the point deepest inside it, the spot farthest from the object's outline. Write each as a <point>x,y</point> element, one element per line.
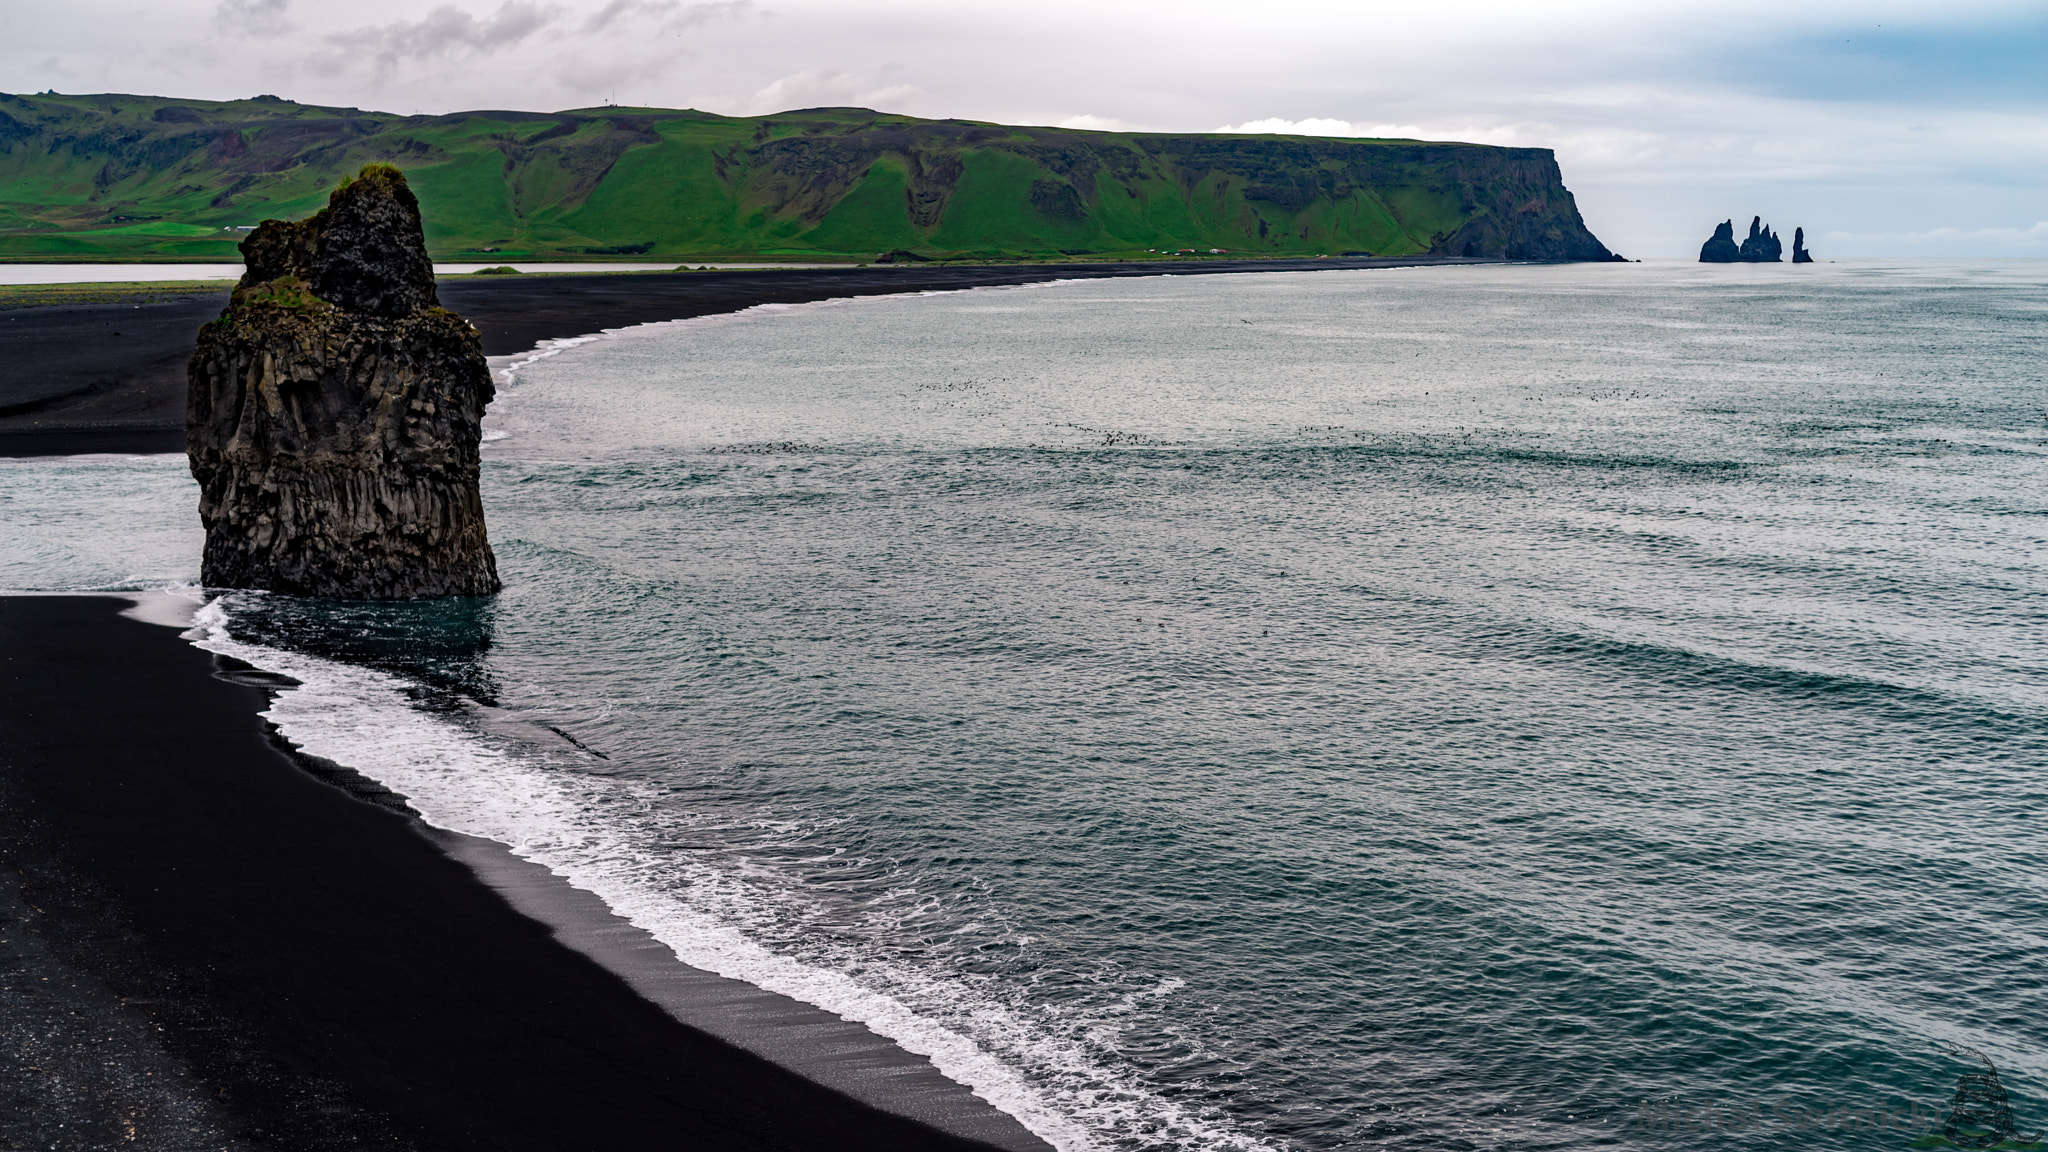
<point>1431,708</point>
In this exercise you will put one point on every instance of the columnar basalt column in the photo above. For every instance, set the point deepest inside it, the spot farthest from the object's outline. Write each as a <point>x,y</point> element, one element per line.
<point>334,412</point>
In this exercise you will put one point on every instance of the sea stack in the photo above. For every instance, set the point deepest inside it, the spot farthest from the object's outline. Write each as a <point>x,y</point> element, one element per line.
<point>1763,246</point>
<point>334,412</point>
<point>1799,253</point>
<point>1720,248</point>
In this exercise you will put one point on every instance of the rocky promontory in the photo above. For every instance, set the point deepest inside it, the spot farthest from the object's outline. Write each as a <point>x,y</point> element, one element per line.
<point>835,183</point>
<point>333,413</point>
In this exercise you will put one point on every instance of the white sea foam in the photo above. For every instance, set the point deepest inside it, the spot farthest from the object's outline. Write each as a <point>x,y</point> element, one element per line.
<point>606,836</point>
<point>505,366</point>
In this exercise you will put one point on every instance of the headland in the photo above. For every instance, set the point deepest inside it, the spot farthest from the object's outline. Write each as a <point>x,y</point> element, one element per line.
<point>188,178</point>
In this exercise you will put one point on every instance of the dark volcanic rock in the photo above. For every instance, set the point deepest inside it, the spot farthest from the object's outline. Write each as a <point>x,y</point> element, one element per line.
<point>1762,247</point>
<point>333,417</point>
<point>1521,211</point>
<point>354,254</point>
<point>1799,253</point>
<point>1721,247</point>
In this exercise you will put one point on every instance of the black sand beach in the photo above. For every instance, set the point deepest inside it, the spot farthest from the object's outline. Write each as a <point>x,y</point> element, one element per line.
<point>212,948</point>
<point>110,376</point>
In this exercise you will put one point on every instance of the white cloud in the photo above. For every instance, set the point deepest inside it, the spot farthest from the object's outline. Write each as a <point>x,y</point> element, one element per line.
<point>1275,126</point>
<point>1087,122</point>
<point>445,31</point>
<point>673,15</point>
<point>893,98</point>
<point>818,88</point>
<point>1512,135</point>
<point>252,17</point>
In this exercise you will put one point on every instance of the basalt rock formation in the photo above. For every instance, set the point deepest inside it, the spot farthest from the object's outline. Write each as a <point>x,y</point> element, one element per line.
<point>333,417</point>
<point>1762,246</point>
<point>1720,248</point>
<point>1799,253</point>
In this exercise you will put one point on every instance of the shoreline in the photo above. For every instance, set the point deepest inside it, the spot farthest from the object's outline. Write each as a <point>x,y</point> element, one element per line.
<point>108,374</point>
<point>277,961</point>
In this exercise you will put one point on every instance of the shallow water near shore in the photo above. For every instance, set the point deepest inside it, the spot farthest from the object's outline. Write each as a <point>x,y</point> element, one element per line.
<point>1426,708</point>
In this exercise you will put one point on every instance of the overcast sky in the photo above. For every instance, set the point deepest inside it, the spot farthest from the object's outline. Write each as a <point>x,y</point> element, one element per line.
<point>1882,128</point>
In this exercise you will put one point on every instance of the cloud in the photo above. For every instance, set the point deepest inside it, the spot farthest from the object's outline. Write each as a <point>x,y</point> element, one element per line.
<point>445,31</point>
<point>818,88</point>
<point>618,10</point>
<point>1087,122</point>
<point>894,96</point>
<point>1275,126</point>
<point>675,16</point>
<point>252,17</point>
<point>1512,135</point>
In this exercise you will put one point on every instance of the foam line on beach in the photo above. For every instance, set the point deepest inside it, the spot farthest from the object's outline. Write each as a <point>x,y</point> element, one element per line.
<point>504,369</point>
<point>584,855</point>
<point>825,1048</point>
<point>358,717</point>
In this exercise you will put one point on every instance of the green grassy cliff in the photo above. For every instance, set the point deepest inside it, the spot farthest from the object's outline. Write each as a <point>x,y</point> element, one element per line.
<point>111,176</point>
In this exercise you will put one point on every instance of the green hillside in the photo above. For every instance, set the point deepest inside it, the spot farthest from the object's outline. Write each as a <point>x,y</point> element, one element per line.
<point>112,176</point>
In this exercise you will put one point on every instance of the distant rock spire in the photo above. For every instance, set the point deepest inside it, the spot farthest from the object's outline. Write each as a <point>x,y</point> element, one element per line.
<point>1799,253</point>
<point>1720,248</point>
<point>1762,246</point>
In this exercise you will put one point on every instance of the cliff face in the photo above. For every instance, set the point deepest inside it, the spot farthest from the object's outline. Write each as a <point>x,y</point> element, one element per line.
<point>333,418</point>
<point>1520,210</point>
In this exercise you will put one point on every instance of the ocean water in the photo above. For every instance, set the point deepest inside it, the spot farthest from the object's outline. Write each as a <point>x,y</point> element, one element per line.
<point>1416,709</point>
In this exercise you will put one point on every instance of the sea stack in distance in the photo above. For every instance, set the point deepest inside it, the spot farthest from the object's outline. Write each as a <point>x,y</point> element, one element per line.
<point>1720,248</point>
<point>1761,247</point>
<point>334,413</point>
<point>1799,253</point>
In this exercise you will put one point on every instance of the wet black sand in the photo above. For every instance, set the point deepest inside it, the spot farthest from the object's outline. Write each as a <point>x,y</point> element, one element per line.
<point>110,376</point>
<point>212,948</point>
